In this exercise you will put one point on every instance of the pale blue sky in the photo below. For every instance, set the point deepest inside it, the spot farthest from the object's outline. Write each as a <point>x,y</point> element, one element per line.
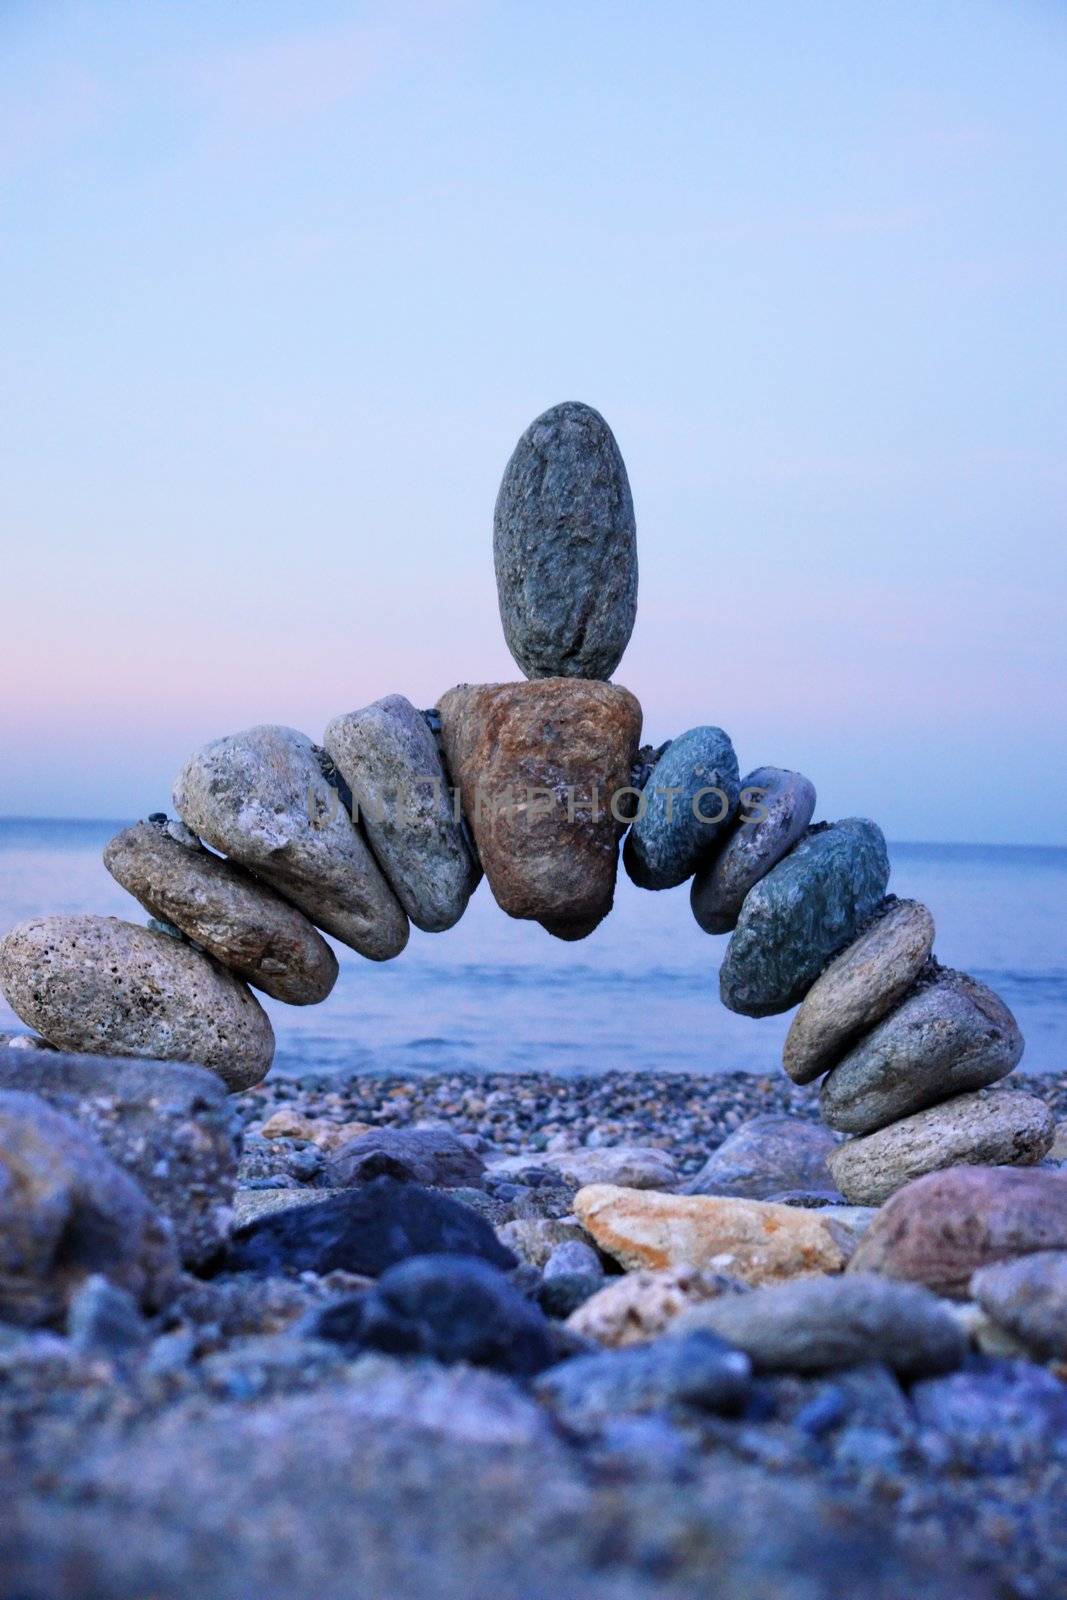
<point>282,283</point>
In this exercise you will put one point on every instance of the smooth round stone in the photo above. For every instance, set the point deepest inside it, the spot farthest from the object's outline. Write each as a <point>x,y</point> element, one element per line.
<point>222,908</point>
<point>779,816</point>
<point>679,821</point>
<point>858,988</point>
<point>765,1157</point>
<point>801,914</point>
<point>107,987</point>
<point>824,1324</point>
<point>949,1036</point>
<point>263,797</point>
<point>539,767</point>
<point>1028,1297</point>
<point>388,756</point>
<point>1002,1128</point>
<point>565,547</point>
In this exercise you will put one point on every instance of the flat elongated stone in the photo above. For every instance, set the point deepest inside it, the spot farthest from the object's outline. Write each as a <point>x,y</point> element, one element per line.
<point>686,806</point>
<point>753,1240</point>
<point>170,1125</point>
<point>948,1036</point>
<point>1028,1297</point>
<point>236,919</point>
<point>539,767</point>
<point>858,988</point>
<point>107,987</point>
<point>565,547</point>
<point>263,797</point>
<point>939,1230</point>
<point>776,807</point>
<point>67,1212</point>
<point>819,1324</point>
<point>1001,1128</point>
<point>802,914</point>
<point>389,759</point>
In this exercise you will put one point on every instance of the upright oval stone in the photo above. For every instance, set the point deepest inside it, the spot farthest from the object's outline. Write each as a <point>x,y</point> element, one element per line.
<point>686,806</point>
<point>858,988</point>
<point>107,987</point>
<point>775,808</point>
<point>544,770</point>
<point>265,797</point>
<point>949,1036</point>
<point>801,914</point>
<point>389,759</point>
<point>222,908</point>
<point>565,547</point>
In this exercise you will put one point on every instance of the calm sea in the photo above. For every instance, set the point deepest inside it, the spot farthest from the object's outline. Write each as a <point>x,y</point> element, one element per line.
<point>640,993</point>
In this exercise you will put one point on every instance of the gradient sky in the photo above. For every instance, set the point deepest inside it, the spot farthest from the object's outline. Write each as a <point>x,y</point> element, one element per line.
<point>282,283</point>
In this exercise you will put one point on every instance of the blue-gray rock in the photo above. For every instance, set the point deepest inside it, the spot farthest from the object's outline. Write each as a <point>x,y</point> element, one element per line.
<point>685,808</point>
<point>571,1274</point>
<point>368,1230</point>
<point>697,1369</point>
<point>170,1125</point>
<point>766,1156</point>
<point>105,1320</point>
<point>1028,1297</point>
<point>997,1416</point>
<point>68,1212</point>
<point>430,1156</point>
<point>776,807</point>
<point>819,1324</point>
<point>565,547</point>
<point>390,761</point>
<point>949,1036</point>
<point>801,914</point>
<point>452,1308</point>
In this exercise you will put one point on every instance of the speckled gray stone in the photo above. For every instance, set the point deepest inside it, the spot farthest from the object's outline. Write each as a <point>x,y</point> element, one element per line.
<point>241,922</point>
<point>678,820</point>
<point>263,797</point>
<point>169,1124</point>
<point>390,761</point>
<point>948,1036</point>
<point>780,804</point>
<point>1001,1128</point>
<point>801,914</point>
<point>858,988</point>
<point>765,1156</point>
<point>107,987</point>
<point>565,547</point>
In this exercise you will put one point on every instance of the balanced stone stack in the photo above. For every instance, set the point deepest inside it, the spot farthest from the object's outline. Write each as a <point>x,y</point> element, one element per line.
<point>392,819</point>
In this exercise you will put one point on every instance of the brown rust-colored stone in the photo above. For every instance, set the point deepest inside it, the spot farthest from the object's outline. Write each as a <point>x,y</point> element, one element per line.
<point>539,766</point>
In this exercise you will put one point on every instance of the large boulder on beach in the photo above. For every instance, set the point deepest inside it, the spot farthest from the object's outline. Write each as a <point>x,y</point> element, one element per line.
<point>819,1324</point>
<point>67,1212</point>
<point>565,547</point>
<point>951,1034</point>
<point>273,801</point>
<point>106,987</point>
<point>1000,1128</point>
<point>802,914</point>
<point>754,1240</point>
<point>541,768</point>
<point>940,1229</point>
<point>169,1125</point>
<point>237,919</point>
<point>685,807</point>
<point>858,988</point>
<point>389,759</point>
<point>776,807</point>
